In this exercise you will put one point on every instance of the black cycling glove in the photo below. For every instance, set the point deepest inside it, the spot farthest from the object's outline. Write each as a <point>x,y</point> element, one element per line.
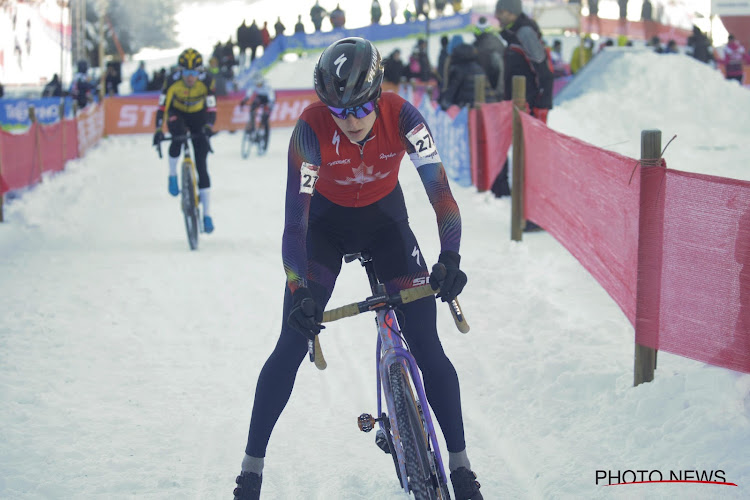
<point>158,137</point>
<point>451,280</point>
<point>306,315</point>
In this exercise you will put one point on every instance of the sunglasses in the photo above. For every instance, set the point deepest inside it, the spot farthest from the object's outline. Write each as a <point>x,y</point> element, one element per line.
<point>190,72</point>
<point>359,111</point>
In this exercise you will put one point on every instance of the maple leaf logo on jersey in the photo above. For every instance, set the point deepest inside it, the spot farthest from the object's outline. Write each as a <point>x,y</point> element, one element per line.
<point>362,175</point>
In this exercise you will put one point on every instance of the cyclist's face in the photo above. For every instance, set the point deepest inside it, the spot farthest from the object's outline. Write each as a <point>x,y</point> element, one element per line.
<point>190,80</point>
<point>355,129</point>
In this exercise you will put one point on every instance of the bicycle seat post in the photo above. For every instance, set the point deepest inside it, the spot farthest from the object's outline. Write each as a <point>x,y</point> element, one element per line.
<point>375,285</point>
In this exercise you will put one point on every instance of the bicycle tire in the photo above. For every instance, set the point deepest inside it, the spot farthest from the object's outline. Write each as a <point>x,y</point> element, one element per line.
<point>247,144</point>
<point>411,436</point>
<point>190,204</point>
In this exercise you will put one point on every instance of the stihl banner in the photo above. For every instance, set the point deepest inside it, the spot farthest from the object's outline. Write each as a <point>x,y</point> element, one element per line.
<point>134,114</point>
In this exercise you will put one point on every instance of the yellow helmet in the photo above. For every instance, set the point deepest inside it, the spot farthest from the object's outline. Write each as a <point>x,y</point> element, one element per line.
<point>190,59</point>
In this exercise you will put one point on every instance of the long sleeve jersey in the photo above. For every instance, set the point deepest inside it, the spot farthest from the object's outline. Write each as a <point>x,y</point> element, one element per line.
<point>321,159</point>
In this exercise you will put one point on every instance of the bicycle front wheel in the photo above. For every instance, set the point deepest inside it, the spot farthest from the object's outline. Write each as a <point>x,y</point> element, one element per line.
<point>190,204</point>
<point>412,437</point>
<point>247,143</point>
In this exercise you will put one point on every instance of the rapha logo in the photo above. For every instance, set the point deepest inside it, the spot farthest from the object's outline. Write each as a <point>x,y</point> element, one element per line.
<point>384,156</point>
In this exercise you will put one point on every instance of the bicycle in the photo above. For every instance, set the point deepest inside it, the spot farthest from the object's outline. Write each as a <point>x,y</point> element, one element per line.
<point>189,200</point>
<point>257,137</point>
<point>406,432</point>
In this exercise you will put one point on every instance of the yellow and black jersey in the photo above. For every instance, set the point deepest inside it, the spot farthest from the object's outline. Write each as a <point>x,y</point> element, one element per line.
<point>176,95</point>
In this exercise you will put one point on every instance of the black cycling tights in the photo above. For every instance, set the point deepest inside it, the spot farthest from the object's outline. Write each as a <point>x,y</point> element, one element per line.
<point>383,229</point>
<point>441,382</point>
<point>178,125</point>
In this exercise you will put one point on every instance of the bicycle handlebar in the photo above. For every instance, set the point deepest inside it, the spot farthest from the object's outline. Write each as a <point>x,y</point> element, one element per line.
<point>377,302</point>
<point>182,138</point>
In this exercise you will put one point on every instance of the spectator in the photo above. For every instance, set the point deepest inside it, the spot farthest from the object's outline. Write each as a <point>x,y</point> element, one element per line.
<point>139,79</point>
<point>243,43</point>
<point>456,4</point>
<point>54,87</point>
<point>440,7</point>
<point>265,36</point>
<point>594,17</point>
<point>2,91</point>
<point>254,40</point>
<point>317,14</point>
<point>699,46</point>
<point>394,10</point>
<point>582,54</point>
<point>112,80</point>
<point>490,53</point>
<point>462,72</point>
<point>655,43</point>
<point>734,59</point>
<point>394,70</point>
<point>419,63</point>
<point>558,64</point>
<point>442,67</point>
<point>407,14</point>
<point>422,8</point>
<point>337,17</point>
<point>375,12</point>
<point>299,27</point>
<point>81,88</point>
<point>607,43</point>
<point>227,60</point>
<point>279,28</point>
<point>623,20</point>
<point>647,16</point>
<point>157,82</point>
<point>525,56</point>
<point>672,48</point>
<point>219,77</point>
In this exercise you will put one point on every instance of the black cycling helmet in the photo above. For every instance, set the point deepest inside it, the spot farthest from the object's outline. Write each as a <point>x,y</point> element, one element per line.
<point>348,73</point>
<point>190,59</point>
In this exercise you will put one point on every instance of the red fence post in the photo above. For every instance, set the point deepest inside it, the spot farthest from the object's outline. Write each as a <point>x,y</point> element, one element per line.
<point>650,243</point>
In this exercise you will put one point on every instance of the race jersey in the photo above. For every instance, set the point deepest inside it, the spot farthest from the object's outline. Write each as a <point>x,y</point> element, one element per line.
<point>178,96</point>
<point>323,161</point>
<point>262,95</point>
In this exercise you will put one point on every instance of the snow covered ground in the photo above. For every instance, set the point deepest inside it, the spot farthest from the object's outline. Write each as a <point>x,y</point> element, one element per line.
<point>128,363</point>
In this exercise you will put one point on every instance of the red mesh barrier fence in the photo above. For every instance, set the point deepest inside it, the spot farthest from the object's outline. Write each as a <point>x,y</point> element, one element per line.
<point>704,309</point>
<point>671,248</point>
<point>583,196</point>
<point>19,166</point>
<point>494,136</point>
<point>51,144</point>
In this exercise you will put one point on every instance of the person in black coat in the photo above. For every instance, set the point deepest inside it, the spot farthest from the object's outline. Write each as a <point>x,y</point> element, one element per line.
<point>699,46</point>
<point>462,71</point>
<point>393,68</point>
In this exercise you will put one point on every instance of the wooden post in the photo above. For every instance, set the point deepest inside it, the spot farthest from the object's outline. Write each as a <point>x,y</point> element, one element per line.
<point>479,90</point>
<point>648,287</point>
<point>61,116</point>
<point>37,141</point>
<point>517,221</point>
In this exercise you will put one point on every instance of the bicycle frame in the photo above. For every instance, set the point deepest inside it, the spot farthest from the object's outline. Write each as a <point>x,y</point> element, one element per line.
<point>390,350</point>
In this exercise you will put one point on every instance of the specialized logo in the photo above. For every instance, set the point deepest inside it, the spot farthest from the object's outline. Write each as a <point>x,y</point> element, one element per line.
<point>339,64</point>
<point>362,175</point>
<point>336,140</point>
<point>415,253</point>
<point>373,66</point>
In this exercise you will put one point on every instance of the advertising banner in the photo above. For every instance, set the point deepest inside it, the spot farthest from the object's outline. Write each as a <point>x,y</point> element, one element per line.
<point>136,114</point>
